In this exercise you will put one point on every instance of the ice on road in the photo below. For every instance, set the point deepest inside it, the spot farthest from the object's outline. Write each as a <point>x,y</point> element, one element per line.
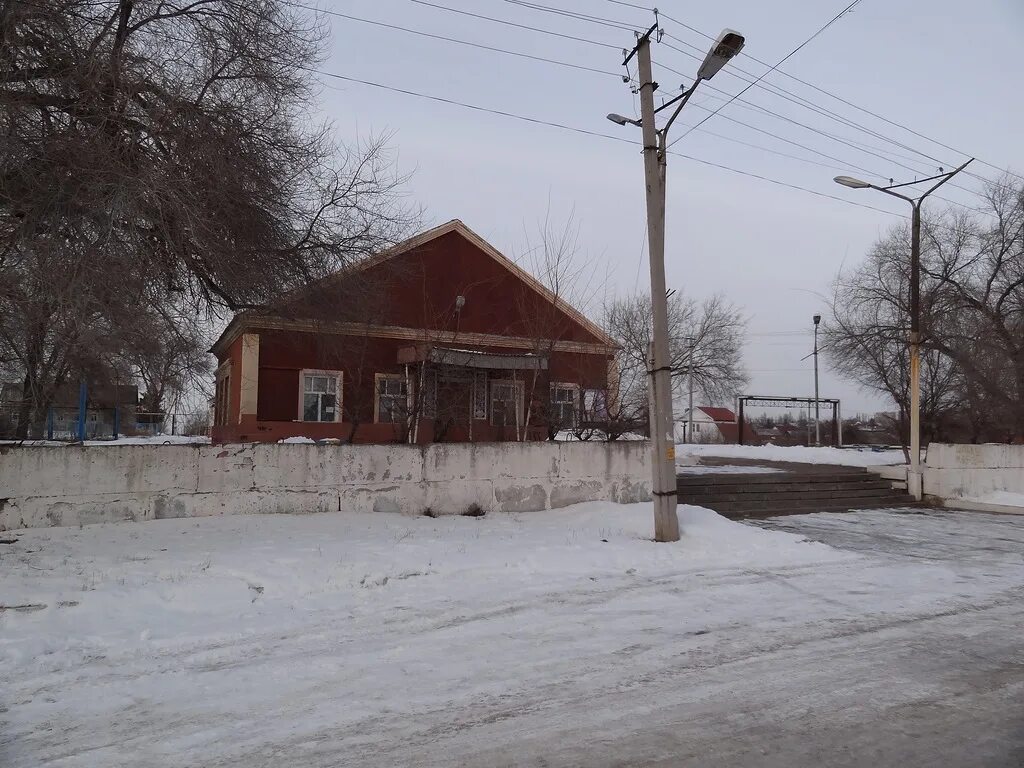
<point>546,639</point>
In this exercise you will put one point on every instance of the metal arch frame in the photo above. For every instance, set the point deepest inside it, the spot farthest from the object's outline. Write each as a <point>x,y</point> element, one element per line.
<point>776,401</point>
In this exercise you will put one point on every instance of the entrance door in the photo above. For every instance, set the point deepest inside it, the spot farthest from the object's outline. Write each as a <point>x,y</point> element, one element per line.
<point>454,407</point>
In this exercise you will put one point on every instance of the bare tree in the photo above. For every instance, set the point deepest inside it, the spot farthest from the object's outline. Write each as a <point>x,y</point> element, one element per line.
<point>155,147</point>
<point>977,316</point>
<point>972,299</point>
<point>554,258</point>
<point>168,356</point>
<point>866,338</point>
<point>712,329</point>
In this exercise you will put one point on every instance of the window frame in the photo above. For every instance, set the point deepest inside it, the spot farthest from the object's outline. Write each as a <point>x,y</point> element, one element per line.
<point>339,378</point>
<point>222,395</point>
<point>519,391</point>
<point>576,397</point>
<point>377,379</point>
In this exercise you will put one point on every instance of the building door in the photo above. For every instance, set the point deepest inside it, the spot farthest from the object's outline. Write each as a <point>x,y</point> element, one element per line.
<point>454,406</point>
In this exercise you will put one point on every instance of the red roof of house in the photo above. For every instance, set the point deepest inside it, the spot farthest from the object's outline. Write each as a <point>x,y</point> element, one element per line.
<point>719,414</point>
<point>730,433</point>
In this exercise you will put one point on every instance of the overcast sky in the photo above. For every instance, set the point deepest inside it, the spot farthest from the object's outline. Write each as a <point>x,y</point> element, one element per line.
<point>952,74</point>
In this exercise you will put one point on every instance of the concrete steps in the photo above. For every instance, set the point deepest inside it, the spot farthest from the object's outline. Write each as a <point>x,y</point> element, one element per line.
<point>792,492</point>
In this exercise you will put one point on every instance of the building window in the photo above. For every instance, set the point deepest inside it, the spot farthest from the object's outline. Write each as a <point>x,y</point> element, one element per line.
<point>428,395</point>
<point>392,404</point>
<point>220,405</point>
<point>506,403</point>
<point>595,405</point>
<point>565,405</point>
<point>480,395</point>
<point>321,396</point>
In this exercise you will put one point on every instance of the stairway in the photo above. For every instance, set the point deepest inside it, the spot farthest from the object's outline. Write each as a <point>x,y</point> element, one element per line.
<point>797,492</point>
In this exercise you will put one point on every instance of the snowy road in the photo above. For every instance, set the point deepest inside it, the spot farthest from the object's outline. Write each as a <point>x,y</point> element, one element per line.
<point>335,640</point>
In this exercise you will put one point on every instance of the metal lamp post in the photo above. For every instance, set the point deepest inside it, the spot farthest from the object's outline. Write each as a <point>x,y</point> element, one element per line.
<point>817,416</point>
<point>663,469</point>
<point>914,481</point>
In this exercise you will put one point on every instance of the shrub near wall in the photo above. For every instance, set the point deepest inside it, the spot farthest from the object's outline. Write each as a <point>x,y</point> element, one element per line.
<point>46,486</point>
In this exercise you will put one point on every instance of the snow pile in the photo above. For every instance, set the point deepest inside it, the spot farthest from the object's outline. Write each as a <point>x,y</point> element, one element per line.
<point>155,440</point>
<point>726,469</point>
<point>850,457</point>
<point>297,441</point>
<point>138,440</point>
<point>596,436</point>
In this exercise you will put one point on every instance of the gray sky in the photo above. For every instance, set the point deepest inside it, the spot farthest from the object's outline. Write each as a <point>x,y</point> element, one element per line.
<point>948,74</point>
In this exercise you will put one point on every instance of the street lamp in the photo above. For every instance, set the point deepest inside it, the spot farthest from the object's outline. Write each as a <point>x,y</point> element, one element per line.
<point>663,469</point>
<point>622,120</point>
<point>817,416</point>
<point>914,482</point>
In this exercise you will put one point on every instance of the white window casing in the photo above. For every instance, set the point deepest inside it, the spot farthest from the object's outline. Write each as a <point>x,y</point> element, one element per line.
<point>506,395</point>
<point>320,396</point>
<point>391,398</point>
<point>565,404</point>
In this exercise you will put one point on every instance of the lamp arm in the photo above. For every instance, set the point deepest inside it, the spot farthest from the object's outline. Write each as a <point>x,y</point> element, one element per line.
<point>682,103</point>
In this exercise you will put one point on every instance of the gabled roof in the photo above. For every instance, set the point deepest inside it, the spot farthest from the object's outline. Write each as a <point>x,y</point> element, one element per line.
<point>244,319</point>
<point>456,225</point>
<point>717,414</point>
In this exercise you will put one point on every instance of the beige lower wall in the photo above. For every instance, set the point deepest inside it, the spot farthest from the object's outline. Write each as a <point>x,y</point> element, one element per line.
<point>955,471</point>
<point>46,486</point>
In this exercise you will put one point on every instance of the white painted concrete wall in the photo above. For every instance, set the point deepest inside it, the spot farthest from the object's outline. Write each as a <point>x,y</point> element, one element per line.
<point>956,472</point>
<point>46,486</point>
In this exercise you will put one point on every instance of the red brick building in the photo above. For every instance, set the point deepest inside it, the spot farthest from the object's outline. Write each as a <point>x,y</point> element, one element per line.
<point>441,338</point>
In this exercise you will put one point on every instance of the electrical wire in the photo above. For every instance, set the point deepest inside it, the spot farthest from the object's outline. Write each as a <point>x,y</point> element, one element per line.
<point>866,149</point>
<point>517,25</point>
<point>444,38</point>
<point>574,15</point>
<point>562,126</point>
<point>833,95</point>
<point>839,164</point>
<point>775,66</point>
<point>769,88</point>
<point>773,90</point>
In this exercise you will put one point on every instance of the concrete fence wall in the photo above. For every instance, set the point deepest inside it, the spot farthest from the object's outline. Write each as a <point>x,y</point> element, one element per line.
<point>954,473</point>
<point>44,486</point>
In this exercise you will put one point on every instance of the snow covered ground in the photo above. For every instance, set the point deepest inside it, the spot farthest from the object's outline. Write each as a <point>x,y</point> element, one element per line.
<point>726,469</point>
<point>850,457</point>
<point>555,638</point>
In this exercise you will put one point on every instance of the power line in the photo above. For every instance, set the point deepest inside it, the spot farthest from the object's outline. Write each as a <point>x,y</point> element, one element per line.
<point>833,95</point>
<point>444,38</point>
<point>551,124</point>
<point>516,24</point>
<point>840,139</point>
<point>574,15</point>
<point>838,163</point>
<point>782,93</point>
<point>775,66</point>
<point>842,164</point>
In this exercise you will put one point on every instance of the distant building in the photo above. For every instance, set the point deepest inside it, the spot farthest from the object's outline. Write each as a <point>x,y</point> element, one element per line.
<point>711,424</point>
<point>105,405</point>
